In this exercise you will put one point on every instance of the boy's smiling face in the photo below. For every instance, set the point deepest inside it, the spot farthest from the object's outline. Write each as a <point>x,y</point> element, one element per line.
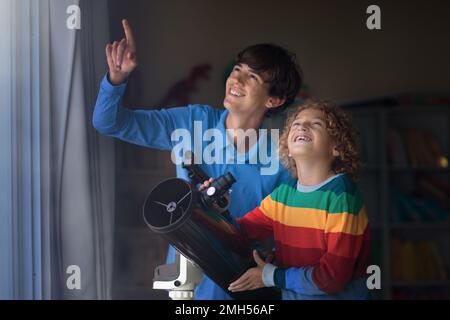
<point>248,92</point>
<point>308,137</point>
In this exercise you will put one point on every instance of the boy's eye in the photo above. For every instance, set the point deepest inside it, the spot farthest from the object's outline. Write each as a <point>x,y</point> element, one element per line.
<point>236,69</point>
<point>318,124</point>
<point>253,77</point>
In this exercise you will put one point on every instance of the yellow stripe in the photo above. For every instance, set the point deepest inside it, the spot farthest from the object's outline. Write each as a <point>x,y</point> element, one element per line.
<point>347,223</point>
<point>315,218</point>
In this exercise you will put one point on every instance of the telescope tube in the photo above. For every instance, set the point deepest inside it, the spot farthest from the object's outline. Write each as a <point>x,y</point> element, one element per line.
<point>172,209</point>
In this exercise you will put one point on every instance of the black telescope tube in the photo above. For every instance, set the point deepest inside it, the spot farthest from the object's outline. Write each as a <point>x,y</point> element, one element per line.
<point>172,209</point>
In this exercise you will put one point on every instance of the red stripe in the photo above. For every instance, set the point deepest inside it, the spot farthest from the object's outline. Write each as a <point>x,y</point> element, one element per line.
<point>299,237</point>
<point>256,225</point>
<point>344,245</point>
<point>364,257</point>
<point>341,244</point>
<point>287,256</point>
<point>333,273</point>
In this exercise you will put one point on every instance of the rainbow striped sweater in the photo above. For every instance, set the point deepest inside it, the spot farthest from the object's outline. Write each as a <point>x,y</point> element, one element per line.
<point>322,239</point>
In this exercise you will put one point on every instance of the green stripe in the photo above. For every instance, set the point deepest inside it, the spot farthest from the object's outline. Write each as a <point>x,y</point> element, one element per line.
<point>341,184</point>
<point>323,200</point>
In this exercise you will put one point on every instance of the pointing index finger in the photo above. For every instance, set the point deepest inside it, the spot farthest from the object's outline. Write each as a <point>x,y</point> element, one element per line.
<point>128,32</point>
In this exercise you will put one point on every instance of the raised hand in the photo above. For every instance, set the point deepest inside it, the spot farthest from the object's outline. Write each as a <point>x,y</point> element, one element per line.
<point>121,56</point>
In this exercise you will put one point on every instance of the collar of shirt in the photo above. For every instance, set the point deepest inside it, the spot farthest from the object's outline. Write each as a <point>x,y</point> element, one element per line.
<point>303,188</point>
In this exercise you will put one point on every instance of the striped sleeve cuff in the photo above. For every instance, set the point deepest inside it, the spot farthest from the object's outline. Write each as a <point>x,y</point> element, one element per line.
<point>268,275</point>
<point>279,278</point>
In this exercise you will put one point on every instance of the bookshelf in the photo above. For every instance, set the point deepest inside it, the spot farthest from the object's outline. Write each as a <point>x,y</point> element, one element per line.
<point>383,175</point>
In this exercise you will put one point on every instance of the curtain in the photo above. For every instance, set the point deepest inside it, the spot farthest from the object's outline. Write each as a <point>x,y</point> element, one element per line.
<point>59,177</point>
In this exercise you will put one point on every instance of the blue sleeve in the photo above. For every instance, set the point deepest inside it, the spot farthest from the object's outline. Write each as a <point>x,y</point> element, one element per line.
<point>297,279</point>
<point>150,128</point>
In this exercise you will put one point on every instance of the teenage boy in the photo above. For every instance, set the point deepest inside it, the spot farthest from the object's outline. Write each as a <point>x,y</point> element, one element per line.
<point>264,78</point>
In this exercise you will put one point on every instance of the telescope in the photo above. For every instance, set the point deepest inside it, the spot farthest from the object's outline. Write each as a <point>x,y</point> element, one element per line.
<point>197,224</point>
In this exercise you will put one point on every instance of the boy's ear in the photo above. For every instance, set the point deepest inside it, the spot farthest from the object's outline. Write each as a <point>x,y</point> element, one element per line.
<point>274,102</point>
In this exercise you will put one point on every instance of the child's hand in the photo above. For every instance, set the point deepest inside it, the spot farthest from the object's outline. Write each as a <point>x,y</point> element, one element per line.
<point>251,279</point>
<point>206,184</point>
<point>121,56</point>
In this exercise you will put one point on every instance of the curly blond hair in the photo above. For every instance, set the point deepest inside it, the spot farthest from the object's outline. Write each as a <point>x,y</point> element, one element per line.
<point>341,131</point>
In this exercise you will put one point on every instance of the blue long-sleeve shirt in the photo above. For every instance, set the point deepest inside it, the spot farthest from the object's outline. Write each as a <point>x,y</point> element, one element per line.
<point>154,129</point>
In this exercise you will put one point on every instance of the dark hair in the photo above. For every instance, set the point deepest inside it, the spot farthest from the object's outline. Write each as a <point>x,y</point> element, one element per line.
<point>285,75</point>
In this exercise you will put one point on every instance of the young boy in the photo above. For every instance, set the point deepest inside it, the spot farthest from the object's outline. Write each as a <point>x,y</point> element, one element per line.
<point>265,77</point>
<point>318,220</point>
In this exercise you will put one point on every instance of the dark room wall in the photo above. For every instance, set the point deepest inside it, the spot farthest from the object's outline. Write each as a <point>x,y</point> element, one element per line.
<point>342,59</point>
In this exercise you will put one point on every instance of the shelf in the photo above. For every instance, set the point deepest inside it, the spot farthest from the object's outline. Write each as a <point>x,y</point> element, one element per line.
<point>401,169</point>
<point>417,169</point>
<point>422,225</point>
<point>422,283</point>
<point>371,167</point>
<point>417,110</point>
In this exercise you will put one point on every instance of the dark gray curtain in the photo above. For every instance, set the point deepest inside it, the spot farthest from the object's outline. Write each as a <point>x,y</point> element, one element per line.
<point>57,173</point>
<point>82,162</point>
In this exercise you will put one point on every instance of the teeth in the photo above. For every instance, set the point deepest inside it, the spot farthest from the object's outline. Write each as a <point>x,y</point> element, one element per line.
<point>302,138</point>
<point>235,93</point>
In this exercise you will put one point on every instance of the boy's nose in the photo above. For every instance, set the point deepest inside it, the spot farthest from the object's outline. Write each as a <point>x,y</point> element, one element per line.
<point>237,84</point>
<point>238,79</point>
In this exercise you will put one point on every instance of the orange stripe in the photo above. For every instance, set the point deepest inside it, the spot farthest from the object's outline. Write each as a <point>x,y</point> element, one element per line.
<point>294,217</point>
<point>347,223</point>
